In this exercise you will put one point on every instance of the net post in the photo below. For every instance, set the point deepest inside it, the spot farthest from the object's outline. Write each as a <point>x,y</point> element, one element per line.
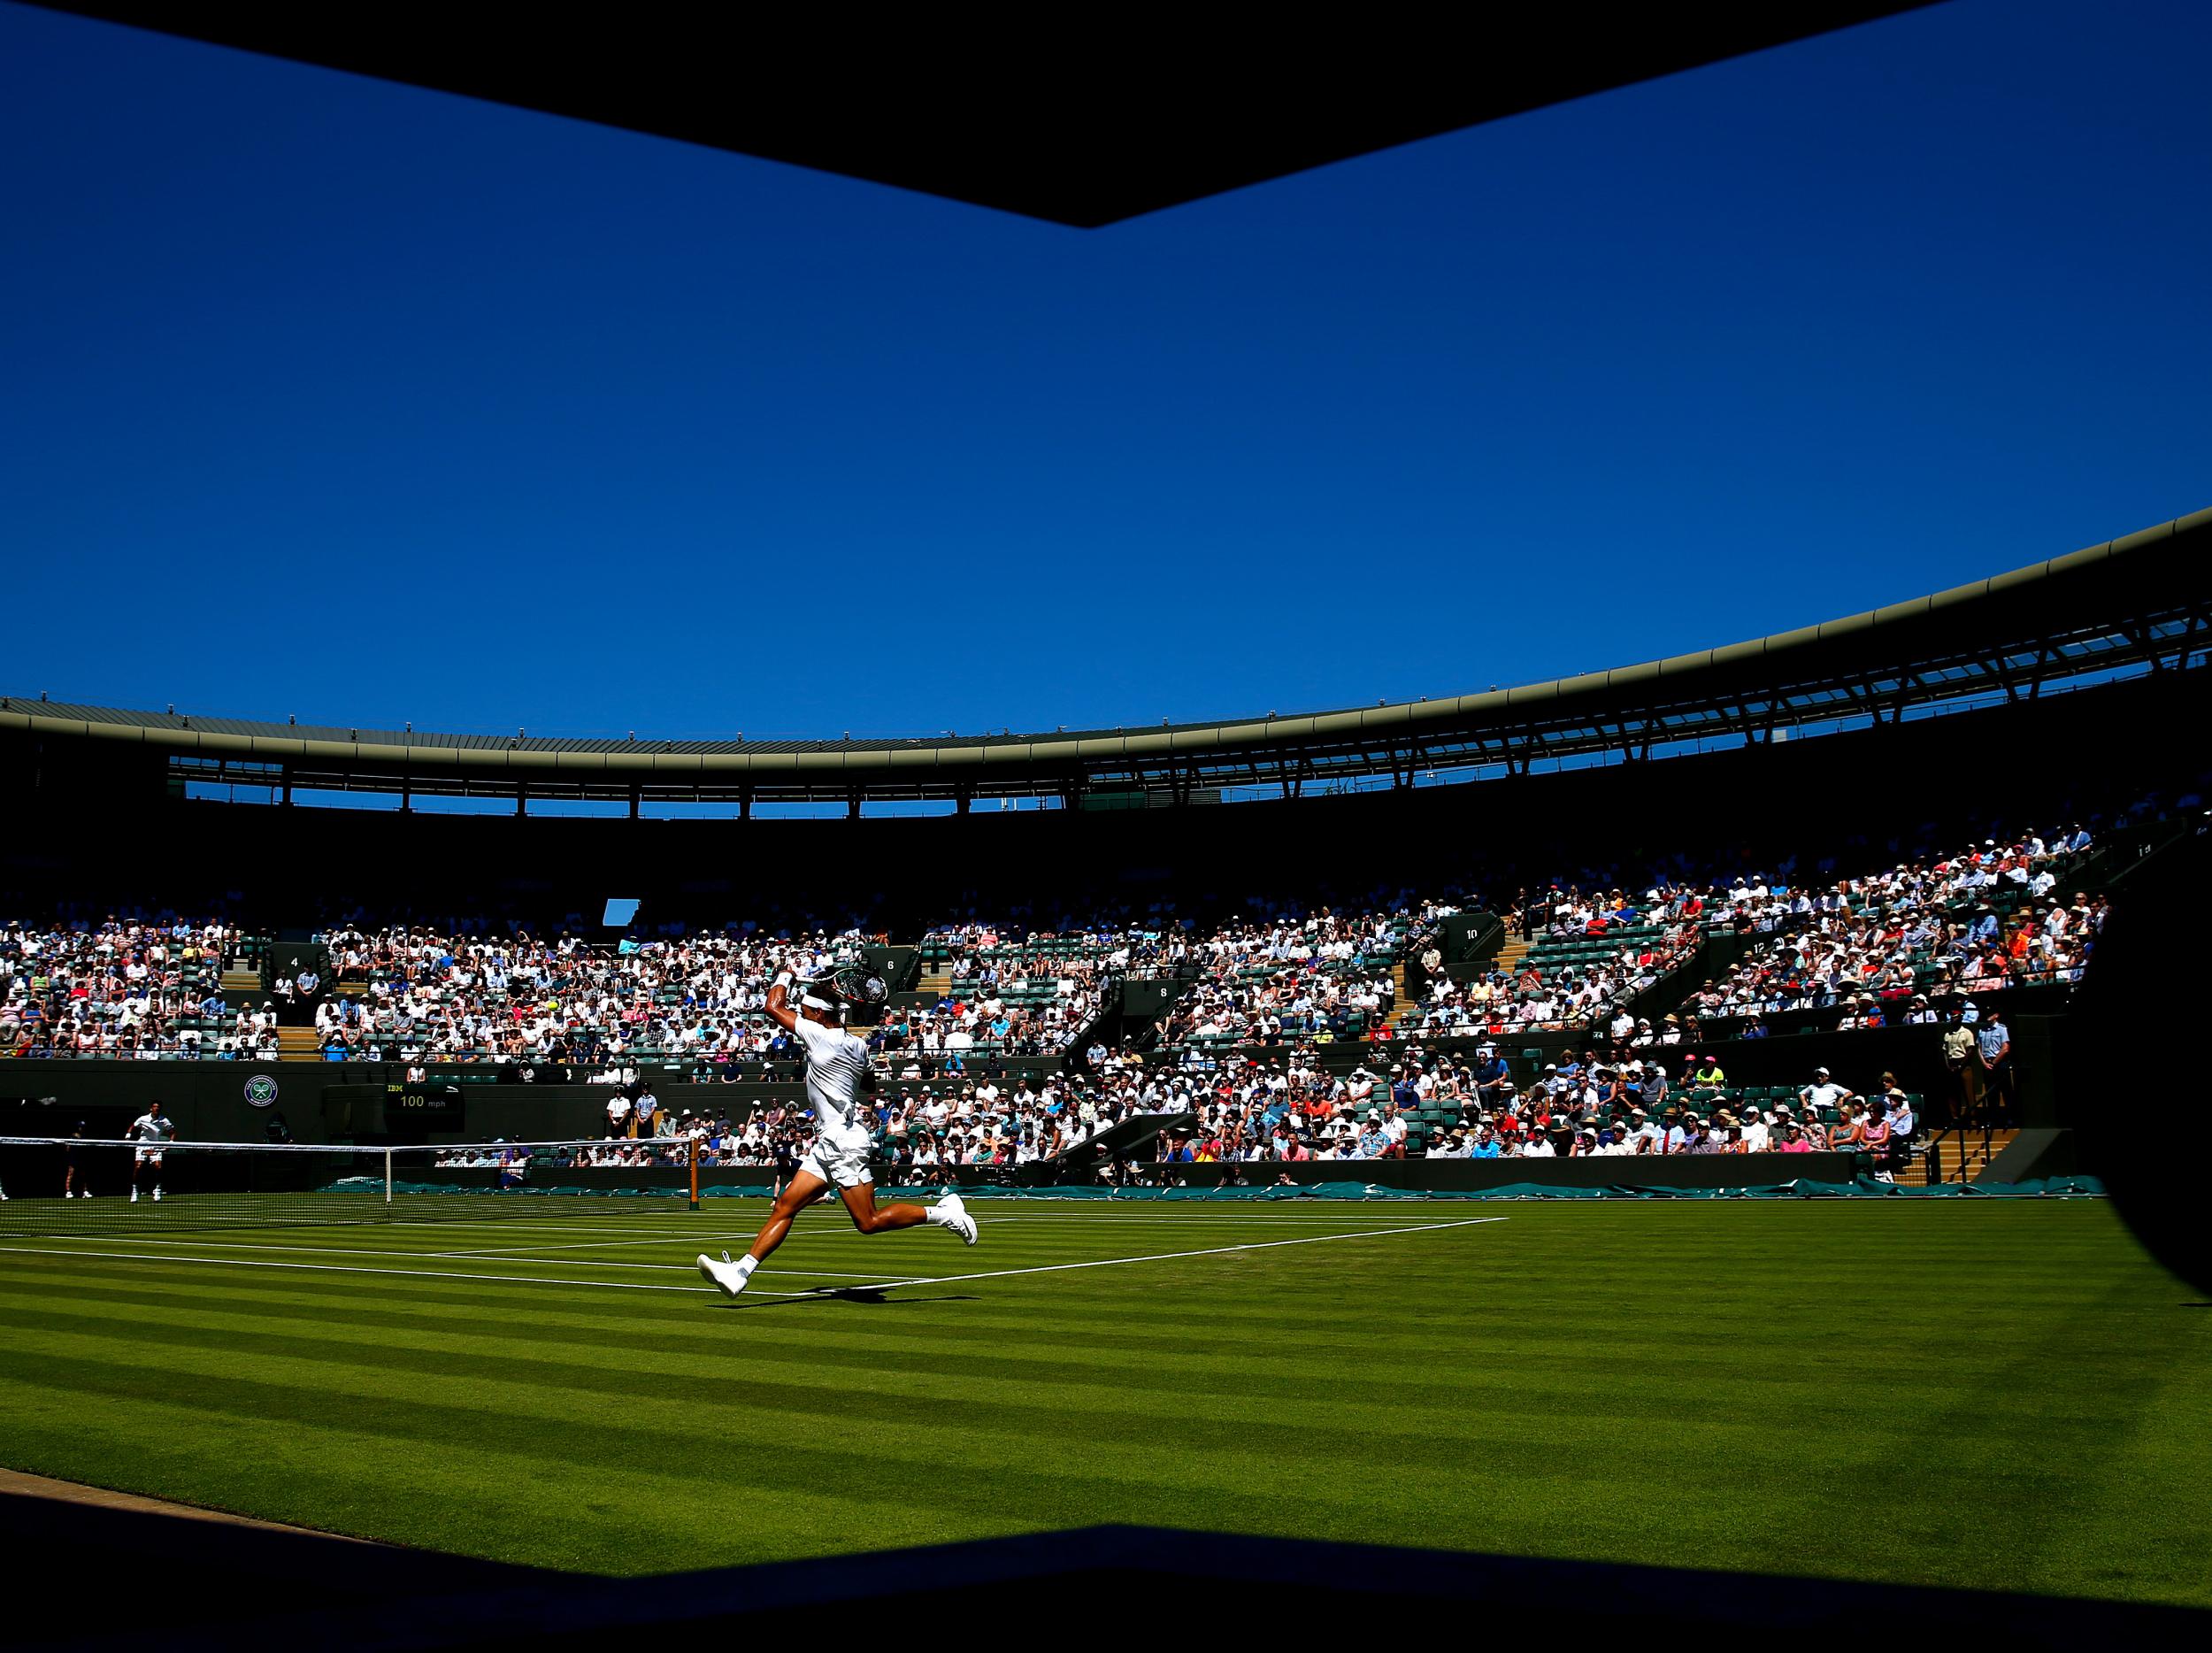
<point>387,1176</point>
<point>693,1157</point>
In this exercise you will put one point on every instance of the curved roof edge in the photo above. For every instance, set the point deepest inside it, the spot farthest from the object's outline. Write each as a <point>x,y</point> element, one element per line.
<point>2055,583</point>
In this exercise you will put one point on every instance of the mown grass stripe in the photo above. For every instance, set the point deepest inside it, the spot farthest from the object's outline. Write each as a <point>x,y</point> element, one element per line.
<point>489,1495</point>
<point>1086,1321</point>
<point>829,1446</point>
<point>968,1472</point>
<point>1872,1390</point>
<point>348,1268</point>
<point>968,1468</point>
<point>1463,1409</point>
<point>251,1248</point>
<point>179,1256</point>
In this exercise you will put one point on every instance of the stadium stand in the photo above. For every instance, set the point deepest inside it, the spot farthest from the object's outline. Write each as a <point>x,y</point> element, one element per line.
<point>1258,983</point>
<point>1283,1037</point>
<point>1626,904</point>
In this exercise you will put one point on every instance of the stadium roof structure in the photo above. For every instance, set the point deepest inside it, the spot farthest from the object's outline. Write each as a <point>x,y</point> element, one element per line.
<point>2137,606</point>
<point>1084,118</point>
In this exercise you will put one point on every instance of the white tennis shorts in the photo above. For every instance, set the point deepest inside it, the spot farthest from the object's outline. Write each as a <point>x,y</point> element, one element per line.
<point>840,1166</point>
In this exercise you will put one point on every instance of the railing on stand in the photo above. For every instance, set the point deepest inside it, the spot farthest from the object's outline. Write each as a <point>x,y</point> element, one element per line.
<point>1958,1150</point>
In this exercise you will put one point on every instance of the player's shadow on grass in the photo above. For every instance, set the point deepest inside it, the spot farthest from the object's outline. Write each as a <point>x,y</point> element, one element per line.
<point>847,1294</point>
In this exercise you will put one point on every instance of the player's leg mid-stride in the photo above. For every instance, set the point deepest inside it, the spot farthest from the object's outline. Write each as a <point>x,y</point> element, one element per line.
<point>948,1213</point>
<point>837,1075</point>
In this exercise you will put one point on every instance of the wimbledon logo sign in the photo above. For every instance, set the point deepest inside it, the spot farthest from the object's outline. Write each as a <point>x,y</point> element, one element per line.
<point>261,1090</point>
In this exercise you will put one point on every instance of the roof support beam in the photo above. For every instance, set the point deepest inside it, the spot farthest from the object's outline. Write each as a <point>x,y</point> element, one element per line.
<point>1908,680</point>
<point>2140,605</point>
<point>2194,624</point>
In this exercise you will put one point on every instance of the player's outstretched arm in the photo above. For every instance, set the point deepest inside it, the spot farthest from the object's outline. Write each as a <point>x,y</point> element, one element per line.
<point>779,1005</point>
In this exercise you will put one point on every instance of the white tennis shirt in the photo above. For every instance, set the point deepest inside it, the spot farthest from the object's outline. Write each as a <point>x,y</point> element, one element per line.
<point>835,1060</point>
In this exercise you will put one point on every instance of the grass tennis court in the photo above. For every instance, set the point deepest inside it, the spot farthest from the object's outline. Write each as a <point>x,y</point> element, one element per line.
<point>1981,1394</point>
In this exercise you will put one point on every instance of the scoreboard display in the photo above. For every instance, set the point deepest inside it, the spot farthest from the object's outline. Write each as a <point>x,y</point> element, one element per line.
<point>429,1107</point>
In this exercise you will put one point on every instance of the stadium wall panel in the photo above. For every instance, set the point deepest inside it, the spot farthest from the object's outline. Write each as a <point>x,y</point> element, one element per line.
<point>342,1101</point>
<point>320,1102</point>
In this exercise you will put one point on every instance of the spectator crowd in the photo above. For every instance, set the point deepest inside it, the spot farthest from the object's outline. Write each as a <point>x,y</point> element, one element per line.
<point>1259,981</point>
<point>124,990</point>
<point>1252,1052</point>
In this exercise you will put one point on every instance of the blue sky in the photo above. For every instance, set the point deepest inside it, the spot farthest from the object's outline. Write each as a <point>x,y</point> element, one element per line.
<point>324,396</point>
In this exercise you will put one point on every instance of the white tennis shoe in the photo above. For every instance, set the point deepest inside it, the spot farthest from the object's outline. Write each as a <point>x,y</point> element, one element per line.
<point>724,1273</point>
<point>955,1218</point>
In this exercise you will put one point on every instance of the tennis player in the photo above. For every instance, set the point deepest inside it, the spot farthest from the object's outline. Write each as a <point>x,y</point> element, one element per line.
<point>153,1130</point>
<point>76,1181</point>
<point>837,1077</point>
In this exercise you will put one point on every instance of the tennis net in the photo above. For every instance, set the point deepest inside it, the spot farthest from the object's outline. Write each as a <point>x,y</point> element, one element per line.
<point>76,1185</point>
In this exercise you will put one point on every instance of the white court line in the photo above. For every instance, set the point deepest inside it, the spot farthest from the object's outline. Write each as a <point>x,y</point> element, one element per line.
<point>686,1236</point>
<point>621,1285</point>
<point>584,1221</point>
<point>207,1243</point>
<point>631,1233</point>
<point>1165,1219</point>
<point>985,1215</point>
<point>589,1220</point>
<point>1169,1257</point>
<point>543,1225</point>
<point>354,1250</point>
<point>596,1245</point>
<point>407,1273</point>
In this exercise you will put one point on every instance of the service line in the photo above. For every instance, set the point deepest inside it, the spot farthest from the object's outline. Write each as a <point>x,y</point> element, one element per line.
<point>876,1285</point>
<point>355,1250</point>
<point>402,1273</point>
<point>1169,1257</point>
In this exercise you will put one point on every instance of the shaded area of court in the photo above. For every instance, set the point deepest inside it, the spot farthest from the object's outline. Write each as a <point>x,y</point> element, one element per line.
<point>239,1588</point>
